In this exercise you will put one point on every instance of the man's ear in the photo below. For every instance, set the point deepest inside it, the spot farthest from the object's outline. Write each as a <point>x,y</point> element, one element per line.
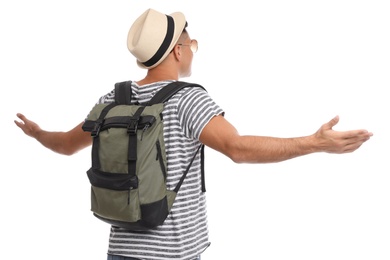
<point>177,52</point>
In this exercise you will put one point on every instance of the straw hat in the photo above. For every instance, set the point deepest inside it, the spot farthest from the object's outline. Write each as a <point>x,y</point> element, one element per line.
<point>153,35</point>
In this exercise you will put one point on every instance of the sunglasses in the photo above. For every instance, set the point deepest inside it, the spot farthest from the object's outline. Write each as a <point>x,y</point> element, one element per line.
<point>193,45</point>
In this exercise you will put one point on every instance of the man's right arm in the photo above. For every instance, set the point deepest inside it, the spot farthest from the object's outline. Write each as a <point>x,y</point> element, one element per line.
<point>66,143</point>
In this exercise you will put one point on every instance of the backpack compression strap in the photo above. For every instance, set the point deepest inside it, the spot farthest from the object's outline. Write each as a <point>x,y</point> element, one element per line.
<point>123,97</point>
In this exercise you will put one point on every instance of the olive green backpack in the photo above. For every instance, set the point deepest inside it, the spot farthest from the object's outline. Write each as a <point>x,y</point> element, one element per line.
<point>129,164</point>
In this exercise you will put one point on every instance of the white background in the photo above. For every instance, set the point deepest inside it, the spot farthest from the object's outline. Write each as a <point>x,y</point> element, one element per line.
<point>280,68</point>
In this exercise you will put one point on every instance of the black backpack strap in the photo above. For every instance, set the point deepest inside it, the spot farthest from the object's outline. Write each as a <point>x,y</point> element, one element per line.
<point>162,96</point>
<point>95,134</point>
<point>169,90</point>
<point>176,190</point>
<point>202,169</point>
<point>123,93</point>
<point>132,147</point>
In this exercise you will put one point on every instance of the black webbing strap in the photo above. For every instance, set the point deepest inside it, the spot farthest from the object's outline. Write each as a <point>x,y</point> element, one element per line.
<point>202,169</point>
<point>186,171</point>
<point>95,135</point>
<point>166,92</point>
<point>123,97</point>
<point>123,93</point>
<point>132,147</point>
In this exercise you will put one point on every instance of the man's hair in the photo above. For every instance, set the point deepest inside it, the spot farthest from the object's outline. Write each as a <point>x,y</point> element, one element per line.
<point>184,33</point>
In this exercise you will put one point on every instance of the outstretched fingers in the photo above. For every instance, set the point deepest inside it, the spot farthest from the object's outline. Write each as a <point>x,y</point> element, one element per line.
<point>332,141</point>
<point>352,140</point>
<point>21,117</point>
<point>28,127</point>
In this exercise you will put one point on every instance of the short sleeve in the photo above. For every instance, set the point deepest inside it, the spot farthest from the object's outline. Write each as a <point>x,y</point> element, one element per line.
<point>195,109</point>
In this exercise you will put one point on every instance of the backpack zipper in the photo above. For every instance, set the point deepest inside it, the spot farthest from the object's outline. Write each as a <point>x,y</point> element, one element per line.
<point>160,159</point>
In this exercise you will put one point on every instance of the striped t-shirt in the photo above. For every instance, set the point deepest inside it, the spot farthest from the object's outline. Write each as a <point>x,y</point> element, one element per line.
<point>184,234</point>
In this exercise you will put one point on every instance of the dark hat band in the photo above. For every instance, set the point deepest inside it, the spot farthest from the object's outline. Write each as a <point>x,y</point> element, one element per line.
<point>165,44</point>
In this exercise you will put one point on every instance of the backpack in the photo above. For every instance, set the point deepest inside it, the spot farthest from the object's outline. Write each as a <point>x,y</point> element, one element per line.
<point>129,164</point>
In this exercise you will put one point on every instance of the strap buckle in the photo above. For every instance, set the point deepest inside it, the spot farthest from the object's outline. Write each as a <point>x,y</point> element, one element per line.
<point>132,127</point>
<point>96,128</point>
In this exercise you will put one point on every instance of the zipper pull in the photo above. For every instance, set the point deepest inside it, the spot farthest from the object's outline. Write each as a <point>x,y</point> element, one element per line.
<point>143,130</point>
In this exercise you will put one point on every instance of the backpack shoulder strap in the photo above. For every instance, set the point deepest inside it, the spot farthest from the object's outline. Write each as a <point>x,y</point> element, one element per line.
<point>123,93</point>
<point>169,90</point>
<point>163,95</point>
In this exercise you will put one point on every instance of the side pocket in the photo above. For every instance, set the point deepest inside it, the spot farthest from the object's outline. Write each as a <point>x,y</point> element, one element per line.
<point>115,205</point>
<point>114,197</point>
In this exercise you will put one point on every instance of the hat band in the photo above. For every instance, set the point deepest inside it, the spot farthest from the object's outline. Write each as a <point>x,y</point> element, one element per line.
<point>165,44</point>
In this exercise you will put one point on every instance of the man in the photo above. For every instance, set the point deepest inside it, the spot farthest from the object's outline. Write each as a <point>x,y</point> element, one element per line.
<point>162,45</point>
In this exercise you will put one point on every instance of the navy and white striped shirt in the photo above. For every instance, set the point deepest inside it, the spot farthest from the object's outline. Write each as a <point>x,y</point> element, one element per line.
<point>184,234</point>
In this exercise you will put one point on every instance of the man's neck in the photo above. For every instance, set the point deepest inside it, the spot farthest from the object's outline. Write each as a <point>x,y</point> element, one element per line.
<point>158,74</point>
